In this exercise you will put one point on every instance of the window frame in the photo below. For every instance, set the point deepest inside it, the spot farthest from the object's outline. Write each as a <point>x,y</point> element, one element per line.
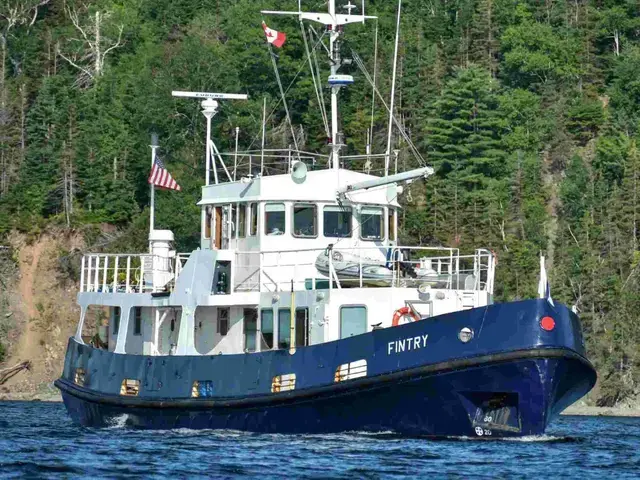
<point>382,224</point>
<point>293,219</point>
<point>340,210</point>
<point>366,318</point>
<point>284,220</point>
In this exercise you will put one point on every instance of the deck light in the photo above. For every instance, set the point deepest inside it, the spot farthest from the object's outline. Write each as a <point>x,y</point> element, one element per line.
<point>547,323</point>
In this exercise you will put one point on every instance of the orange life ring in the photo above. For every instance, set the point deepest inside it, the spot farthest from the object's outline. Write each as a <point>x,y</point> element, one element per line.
<point>401,312</point>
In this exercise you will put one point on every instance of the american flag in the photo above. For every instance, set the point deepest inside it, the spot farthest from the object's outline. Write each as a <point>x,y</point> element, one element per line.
<point>161,178</point>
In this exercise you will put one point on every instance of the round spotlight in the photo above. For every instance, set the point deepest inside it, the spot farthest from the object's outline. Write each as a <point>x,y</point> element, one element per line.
<point>424,288</point>
<point>465,335</point>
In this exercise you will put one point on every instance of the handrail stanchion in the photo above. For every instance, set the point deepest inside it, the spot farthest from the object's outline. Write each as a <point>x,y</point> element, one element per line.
<point>360,269</point>
<point>104,273</point>
<point>141,282</point>
<point>115,274</point>
<point>128,286</point>
<point>82,274</point>
<point>96,280</point>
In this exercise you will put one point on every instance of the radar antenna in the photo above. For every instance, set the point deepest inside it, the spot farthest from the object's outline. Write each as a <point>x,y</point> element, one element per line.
<point>209,109</point>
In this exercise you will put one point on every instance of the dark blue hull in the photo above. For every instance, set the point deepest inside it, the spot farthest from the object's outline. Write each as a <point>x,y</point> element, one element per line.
<point>512,384</point>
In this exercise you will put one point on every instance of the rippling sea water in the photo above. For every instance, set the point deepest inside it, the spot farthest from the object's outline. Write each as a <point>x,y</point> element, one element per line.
<point>38,440</point>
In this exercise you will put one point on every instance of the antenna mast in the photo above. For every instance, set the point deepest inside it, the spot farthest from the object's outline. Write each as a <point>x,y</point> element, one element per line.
<point>209,109</point>
<point>334,23</point>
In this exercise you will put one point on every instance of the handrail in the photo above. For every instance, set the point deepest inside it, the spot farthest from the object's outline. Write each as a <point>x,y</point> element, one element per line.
<point>99,274</point>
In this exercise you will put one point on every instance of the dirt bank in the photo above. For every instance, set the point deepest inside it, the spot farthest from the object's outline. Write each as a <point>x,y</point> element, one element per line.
<point>46,314</point>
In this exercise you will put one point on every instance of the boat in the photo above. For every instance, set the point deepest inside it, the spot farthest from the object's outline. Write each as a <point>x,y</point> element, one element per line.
<point>302,313</point>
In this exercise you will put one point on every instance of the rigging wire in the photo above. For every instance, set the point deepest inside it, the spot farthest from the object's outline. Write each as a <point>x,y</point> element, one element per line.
<point>284,101</point>
<point>373,92</point>
<point>316,82</point>
<point>300,67</point>
<point>403,133</point>
<point>322,103</point>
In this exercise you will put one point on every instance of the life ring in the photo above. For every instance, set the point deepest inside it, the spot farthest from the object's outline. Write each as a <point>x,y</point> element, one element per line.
<point>403,312</point>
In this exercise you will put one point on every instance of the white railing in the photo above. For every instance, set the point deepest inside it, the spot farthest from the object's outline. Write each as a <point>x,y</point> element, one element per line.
<point>363,267</point>
<point>128,273</point>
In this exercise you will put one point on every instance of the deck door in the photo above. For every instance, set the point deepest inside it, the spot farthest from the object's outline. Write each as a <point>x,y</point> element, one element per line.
<point>218,218</point>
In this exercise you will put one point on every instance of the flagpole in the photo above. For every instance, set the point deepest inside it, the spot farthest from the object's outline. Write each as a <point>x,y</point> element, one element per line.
<point>152,215</point>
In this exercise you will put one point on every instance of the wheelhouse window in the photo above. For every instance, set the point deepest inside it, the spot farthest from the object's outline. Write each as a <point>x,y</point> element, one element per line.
<point>234,218</point>
<point>305,220</point>
<point>242,221</point>
<point>266,329</point>
<point>392,223</point>
<point>137,323</point>
<point>353,320</point>
<point>207,222</point>
<point>253,219</point>
<point>284,328</point>
<point>250,329</point>
<point>274,219</point>
<point>337,221</point>
<point>371,223</point>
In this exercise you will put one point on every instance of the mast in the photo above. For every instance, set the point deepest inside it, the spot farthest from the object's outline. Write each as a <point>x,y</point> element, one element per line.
<point>334,22</point>
<point>335,89</point>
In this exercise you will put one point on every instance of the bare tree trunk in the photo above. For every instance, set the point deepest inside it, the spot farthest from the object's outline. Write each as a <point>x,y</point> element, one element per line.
<point>98,66</point>
<point>23,120</point>
<point>65,186</point>
<point>71,185</point>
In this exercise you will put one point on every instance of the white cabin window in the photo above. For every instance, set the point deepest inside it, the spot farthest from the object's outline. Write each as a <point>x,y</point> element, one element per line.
<point>337,222</point>
<point>371,223</point>
<point>234,219</point>
<point>137,322</point>
<point>284,328</point>
<point>353,320</point>
<point>242,220</point>
<point>274,219</point>
<point>266,329</point>
<point>208,220</point>
<point>305,220</point>
<point>223,321</point>
<point>250,329</point>
<point>116,320</point>
<point>253,219</point>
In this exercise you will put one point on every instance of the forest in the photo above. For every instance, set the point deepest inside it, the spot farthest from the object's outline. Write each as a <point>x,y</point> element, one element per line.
<point>529,111</point>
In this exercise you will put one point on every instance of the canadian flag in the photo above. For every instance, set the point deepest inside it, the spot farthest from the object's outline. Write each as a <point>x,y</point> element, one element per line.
<point>273,37</point>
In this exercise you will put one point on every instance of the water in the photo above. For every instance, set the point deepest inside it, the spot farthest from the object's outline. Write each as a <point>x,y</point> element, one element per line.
<point>37,440</point>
